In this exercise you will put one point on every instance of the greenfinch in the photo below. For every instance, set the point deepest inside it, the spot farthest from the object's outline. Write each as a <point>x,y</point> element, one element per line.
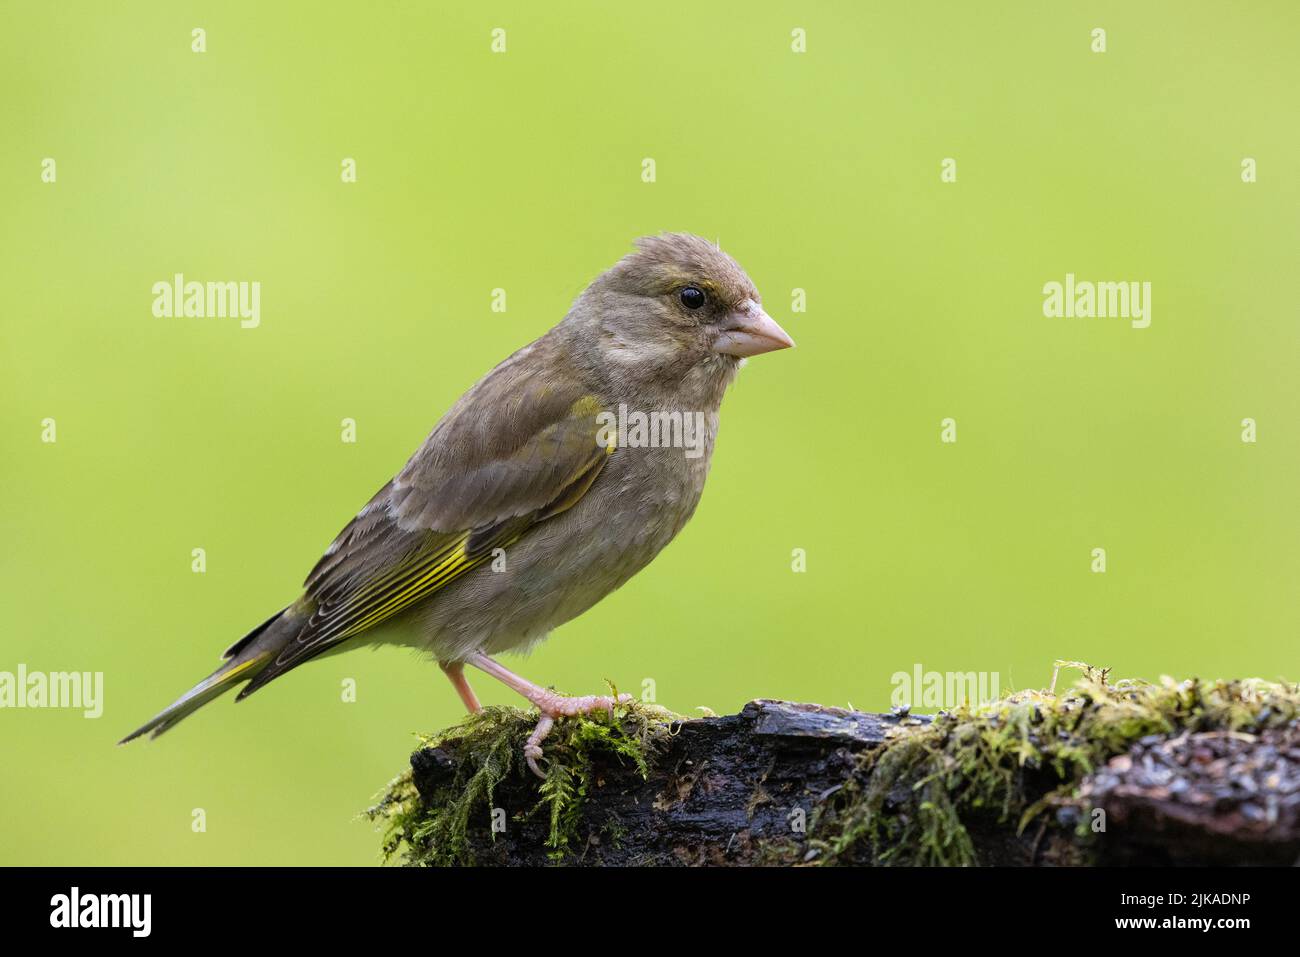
<point>557,477</point>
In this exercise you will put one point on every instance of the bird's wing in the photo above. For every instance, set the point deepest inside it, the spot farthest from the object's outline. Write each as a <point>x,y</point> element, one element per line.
<point>517,449</point>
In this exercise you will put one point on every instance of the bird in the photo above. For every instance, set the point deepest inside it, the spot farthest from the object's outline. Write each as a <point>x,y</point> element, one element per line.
<point>526,505</point>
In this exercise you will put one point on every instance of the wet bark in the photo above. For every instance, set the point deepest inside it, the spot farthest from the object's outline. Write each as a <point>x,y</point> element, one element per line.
<point>743,789</point>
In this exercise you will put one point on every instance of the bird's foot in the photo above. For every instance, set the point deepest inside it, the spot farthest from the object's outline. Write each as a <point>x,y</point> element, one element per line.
<point>552,706</point>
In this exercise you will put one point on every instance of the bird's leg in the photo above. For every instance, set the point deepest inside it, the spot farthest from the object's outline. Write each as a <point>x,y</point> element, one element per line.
<point>455,672</point>
<point>549,703</point>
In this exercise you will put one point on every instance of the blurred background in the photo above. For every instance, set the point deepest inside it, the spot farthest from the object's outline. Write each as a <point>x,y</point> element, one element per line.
<point>819,171</point>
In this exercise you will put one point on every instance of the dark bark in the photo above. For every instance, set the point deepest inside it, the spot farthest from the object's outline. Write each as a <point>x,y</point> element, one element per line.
<point>1207,798</point>
<point>735,790</point>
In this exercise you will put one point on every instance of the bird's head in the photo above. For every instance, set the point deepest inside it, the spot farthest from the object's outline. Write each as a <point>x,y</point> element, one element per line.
<point>676,308</point>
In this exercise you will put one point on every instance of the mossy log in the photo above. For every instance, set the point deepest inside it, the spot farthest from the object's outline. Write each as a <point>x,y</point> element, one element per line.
<point>1130,773</point>
<point>739,789</point>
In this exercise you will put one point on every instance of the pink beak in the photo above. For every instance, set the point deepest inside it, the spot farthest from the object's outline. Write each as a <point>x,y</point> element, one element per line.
<point>749,331</point>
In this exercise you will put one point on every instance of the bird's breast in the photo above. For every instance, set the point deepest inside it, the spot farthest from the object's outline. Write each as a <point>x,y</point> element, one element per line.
<point>644,495</point>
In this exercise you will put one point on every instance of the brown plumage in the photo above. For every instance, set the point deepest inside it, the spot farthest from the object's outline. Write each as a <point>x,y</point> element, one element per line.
<point>517,470</point>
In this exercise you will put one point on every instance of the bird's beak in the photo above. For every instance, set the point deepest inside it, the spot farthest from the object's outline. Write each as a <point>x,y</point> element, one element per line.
<point>749,331</point>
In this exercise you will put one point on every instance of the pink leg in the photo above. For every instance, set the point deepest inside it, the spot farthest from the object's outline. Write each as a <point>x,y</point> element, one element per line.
<point>550,704</point>
<point>455,672</point>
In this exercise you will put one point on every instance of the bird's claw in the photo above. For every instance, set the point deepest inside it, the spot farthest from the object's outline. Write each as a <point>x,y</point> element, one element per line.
<point>533,746</point>
<point>554,706</point>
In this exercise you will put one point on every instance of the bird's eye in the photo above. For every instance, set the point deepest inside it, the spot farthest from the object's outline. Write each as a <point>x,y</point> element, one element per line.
<point>692,297</point>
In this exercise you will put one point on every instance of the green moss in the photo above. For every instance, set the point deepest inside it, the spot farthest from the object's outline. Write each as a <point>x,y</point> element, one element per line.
<point>914,799</point>
<point>489,748</point>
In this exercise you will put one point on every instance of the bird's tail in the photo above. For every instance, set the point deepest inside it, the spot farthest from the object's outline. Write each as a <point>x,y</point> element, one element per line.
<point>245,659</point>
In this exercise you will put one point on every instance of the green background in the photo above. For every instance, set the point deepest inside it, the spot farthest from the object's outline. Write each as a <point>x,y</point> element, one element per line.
<point>818,171</point>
